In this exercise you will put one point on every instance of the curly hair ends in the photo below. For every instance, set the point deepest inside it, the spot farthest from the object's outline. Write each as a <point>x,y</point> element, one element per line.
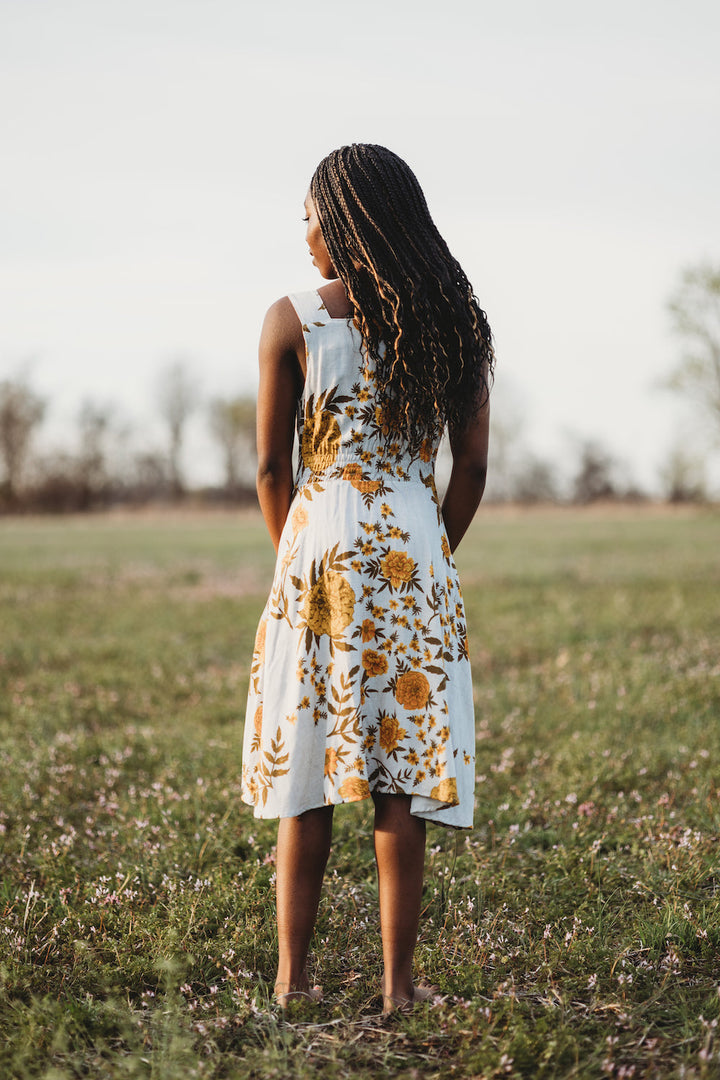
<point>419,319</point>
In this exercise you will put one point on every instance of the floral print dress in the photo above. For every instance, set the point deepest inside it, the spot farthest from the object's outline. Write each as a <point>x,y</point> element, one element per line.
<point>360,679</point>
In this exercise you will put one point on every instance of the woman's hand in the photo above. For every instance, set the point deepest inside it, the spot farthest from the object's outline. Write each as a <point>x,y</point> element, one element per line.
<point>282,368</point>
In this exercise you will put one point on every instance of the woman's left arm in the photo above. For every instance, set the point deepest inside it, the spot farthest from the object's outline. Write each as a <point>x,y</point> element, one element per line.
<point>281,378</point>
<point>467,480</point>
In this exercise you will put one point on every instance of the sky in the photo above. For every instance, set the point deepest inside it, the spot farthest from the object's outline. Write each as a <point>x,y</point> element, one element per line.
<point>156,154</point>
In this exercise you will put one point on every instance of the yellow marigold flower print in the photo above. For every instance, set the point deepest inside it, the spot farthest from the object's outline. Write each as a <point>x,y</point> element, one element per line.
<point>257,721</point>
<point>352,472</point>
<point>354,789</point>
<point>397,568</point>
<point>426,450</point>
<point>329,606</point>
<point>412,690</point>
<point>446,791</point>
<point>260,641</point>
<point>391,734</point>
<point>320,440</point>
<point>368,629</point>
<point>299,519</point>
<point>374,662</point>
<point>445,547</point>
<point>331,761</point>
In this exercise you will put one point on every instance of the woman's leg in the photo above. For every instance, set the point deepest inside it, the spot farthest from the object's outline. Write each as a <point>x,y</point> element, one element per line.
<point>400,856</point>
<point>303,847</point>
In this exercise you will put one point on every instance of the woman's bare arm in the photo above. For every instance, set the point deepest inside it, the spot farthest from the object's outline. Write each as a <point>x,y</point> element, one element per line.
<point>467,480</point>
<point>281,378</point>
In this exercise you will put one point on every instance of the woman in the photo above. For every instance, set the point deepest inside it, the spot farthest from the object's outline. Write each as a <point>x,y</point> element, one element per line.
<point>360,682</point>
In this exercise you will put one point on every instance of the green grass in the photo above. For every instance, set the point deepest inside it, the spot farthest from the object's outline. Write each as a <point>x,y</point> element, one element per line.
<point>575,932</point>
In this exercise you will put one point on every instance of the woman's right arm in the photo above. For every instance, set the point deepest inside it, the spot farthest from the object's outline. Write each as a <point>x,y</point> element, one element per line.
<point>467,480</point>
<point>281,380</point>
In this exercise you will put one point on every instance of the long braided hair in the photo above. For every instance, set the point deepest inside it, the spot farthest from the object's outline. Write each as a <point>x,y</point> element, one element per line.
<point>417,314</point>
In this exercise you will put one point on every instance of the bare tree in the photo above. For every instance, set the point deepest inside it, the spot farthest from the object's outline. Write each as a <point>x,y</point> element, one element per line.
<point>683,477</point>
<point>149,477</point>
<point>232,423</point>
<point>535,481</point>
<point>177,398</point>
<point>21,410</point>
<point>508,423</point>
<point>695,312</point>
<point>95,423</point>
<point>594,478</point>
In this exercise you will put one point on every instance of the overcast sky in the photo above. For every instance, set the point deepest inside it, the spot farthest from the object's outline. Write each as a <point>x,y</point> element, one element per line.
<point>156,153</point>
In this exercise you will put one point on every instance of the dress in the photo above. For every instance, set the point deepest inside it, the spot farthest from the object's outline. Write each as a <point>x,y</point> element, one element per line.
<point>360,678</point>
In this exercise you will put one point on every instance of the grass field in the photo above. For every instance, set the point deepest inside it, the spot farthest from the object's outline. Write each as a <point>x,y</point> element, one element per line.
<point>575,932</point>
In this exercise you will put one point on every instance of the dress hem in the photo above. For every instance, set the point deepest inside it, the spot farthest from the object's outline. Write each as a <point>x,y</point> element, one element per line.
<point>431,816</point>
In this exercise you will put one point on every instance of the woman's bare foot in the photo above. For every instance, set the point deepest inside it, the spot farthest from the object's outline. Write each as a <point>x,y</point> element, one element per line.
<point>401,1003</point>
<point>284,995</point>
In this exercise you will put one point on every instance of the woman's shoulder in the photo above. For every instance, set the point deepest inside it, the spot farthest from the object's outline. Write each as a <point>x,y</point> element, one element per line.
<point>281,310</point>
<point>307,307</point>
<point>282,327</point>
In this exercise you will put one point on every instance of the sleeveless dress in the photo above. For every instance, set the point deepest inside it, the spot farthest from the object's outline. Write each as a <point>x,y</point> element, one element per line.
<point>360,679</point>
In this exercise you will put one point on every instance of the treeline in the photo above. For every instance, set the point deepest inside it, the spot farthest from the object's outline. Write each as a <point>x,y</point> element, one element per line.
<point>588,473</point>
<point>102,467</point>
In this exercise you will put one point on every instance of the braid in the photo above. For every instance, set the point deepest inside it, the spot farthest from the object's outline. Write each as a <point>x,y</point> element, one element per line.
<point>410,299</point>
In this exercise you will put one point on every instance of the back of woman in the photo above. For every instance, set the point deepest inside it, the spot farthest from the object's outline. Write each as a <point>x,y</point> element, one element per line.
<point>360,681</point>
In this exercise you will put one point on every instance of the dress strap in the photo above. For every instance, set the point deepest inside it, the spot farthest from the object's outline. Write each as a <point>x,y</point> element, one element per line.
<point>310,309</point>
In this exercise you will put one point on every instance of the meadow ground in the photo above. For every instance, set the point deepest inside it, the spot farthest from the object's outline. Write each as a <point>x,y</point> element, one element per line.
<point>574,932</point>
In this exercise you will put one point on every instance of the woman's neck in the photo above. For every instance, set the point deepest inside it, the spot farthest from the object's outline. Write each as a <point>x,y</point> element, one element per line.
<point>335,299</point>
